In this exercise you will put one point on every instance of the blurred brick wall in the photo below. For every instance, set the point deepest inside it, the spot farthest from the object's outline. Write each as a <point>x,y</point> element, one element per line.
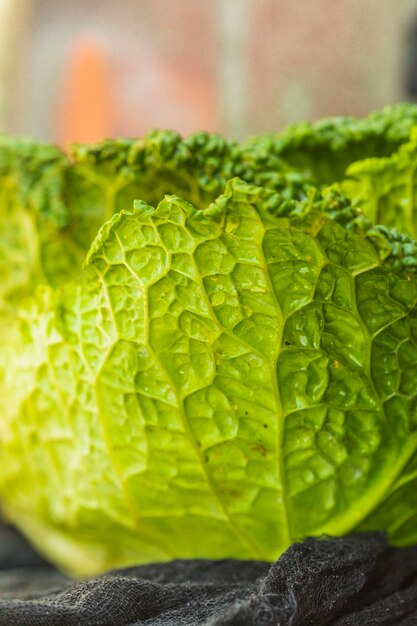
<point>236,66</point>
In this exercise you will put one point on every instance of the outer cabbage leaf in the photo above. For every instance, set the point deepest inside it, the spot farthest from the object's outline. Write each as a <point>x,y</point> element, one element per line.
<point>396,249</point>
<point>51,204</point>
<point>325,148</point>
<point>221,382</point>
<point>33,214</point>
<point>385,188</point>
<point>107,177</point>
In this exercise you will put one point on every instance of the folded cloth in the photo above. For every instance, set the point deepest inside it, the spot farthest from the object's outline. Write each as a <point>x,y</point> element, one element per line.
<point>355,580</point>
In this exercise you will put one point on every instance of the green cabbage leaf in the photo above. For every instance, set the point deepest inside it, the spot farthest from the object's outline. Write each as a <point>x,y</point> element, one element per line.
<point>52,204</point>
<point>385,188</point>
<point>325,148</point>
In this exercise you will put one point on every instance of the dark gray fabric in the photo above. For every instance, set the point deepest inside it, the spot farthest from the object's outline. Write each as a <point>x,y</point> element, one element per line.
<point>357,580</point>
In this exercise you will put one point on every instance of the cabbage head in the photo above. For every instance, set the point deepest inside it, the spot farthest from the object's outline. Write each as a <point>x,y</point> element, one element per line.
<point>218,381</point>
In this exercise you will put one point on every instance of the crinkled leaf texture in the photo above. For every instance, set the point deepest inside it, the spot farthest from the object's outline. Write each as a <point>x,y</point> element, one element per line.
<point>51,201</point>
<point>325,148</point>
<point>220,383</point>
<point>385,188</point>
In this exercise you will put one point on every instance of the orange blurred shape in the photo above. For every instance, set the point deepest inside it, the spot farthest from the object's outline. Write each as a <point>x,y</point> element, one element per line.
<point>85,109</point>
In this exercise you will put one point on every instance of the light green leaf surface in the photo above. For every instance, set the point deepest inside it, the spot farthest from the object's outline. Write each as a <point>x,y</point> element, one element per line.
<point>385,188</point>
<point>32,217</point>
<point>220,382</point>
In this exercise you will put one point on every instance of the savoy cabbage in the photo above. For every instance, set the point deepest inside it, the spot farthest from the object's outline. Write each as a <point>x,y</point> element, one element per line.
<point>229,365</point>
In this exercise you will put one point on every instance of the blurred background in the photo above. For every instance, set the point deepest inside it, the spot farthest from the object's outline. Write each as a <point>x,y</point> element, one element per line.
<point>85,69</point>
